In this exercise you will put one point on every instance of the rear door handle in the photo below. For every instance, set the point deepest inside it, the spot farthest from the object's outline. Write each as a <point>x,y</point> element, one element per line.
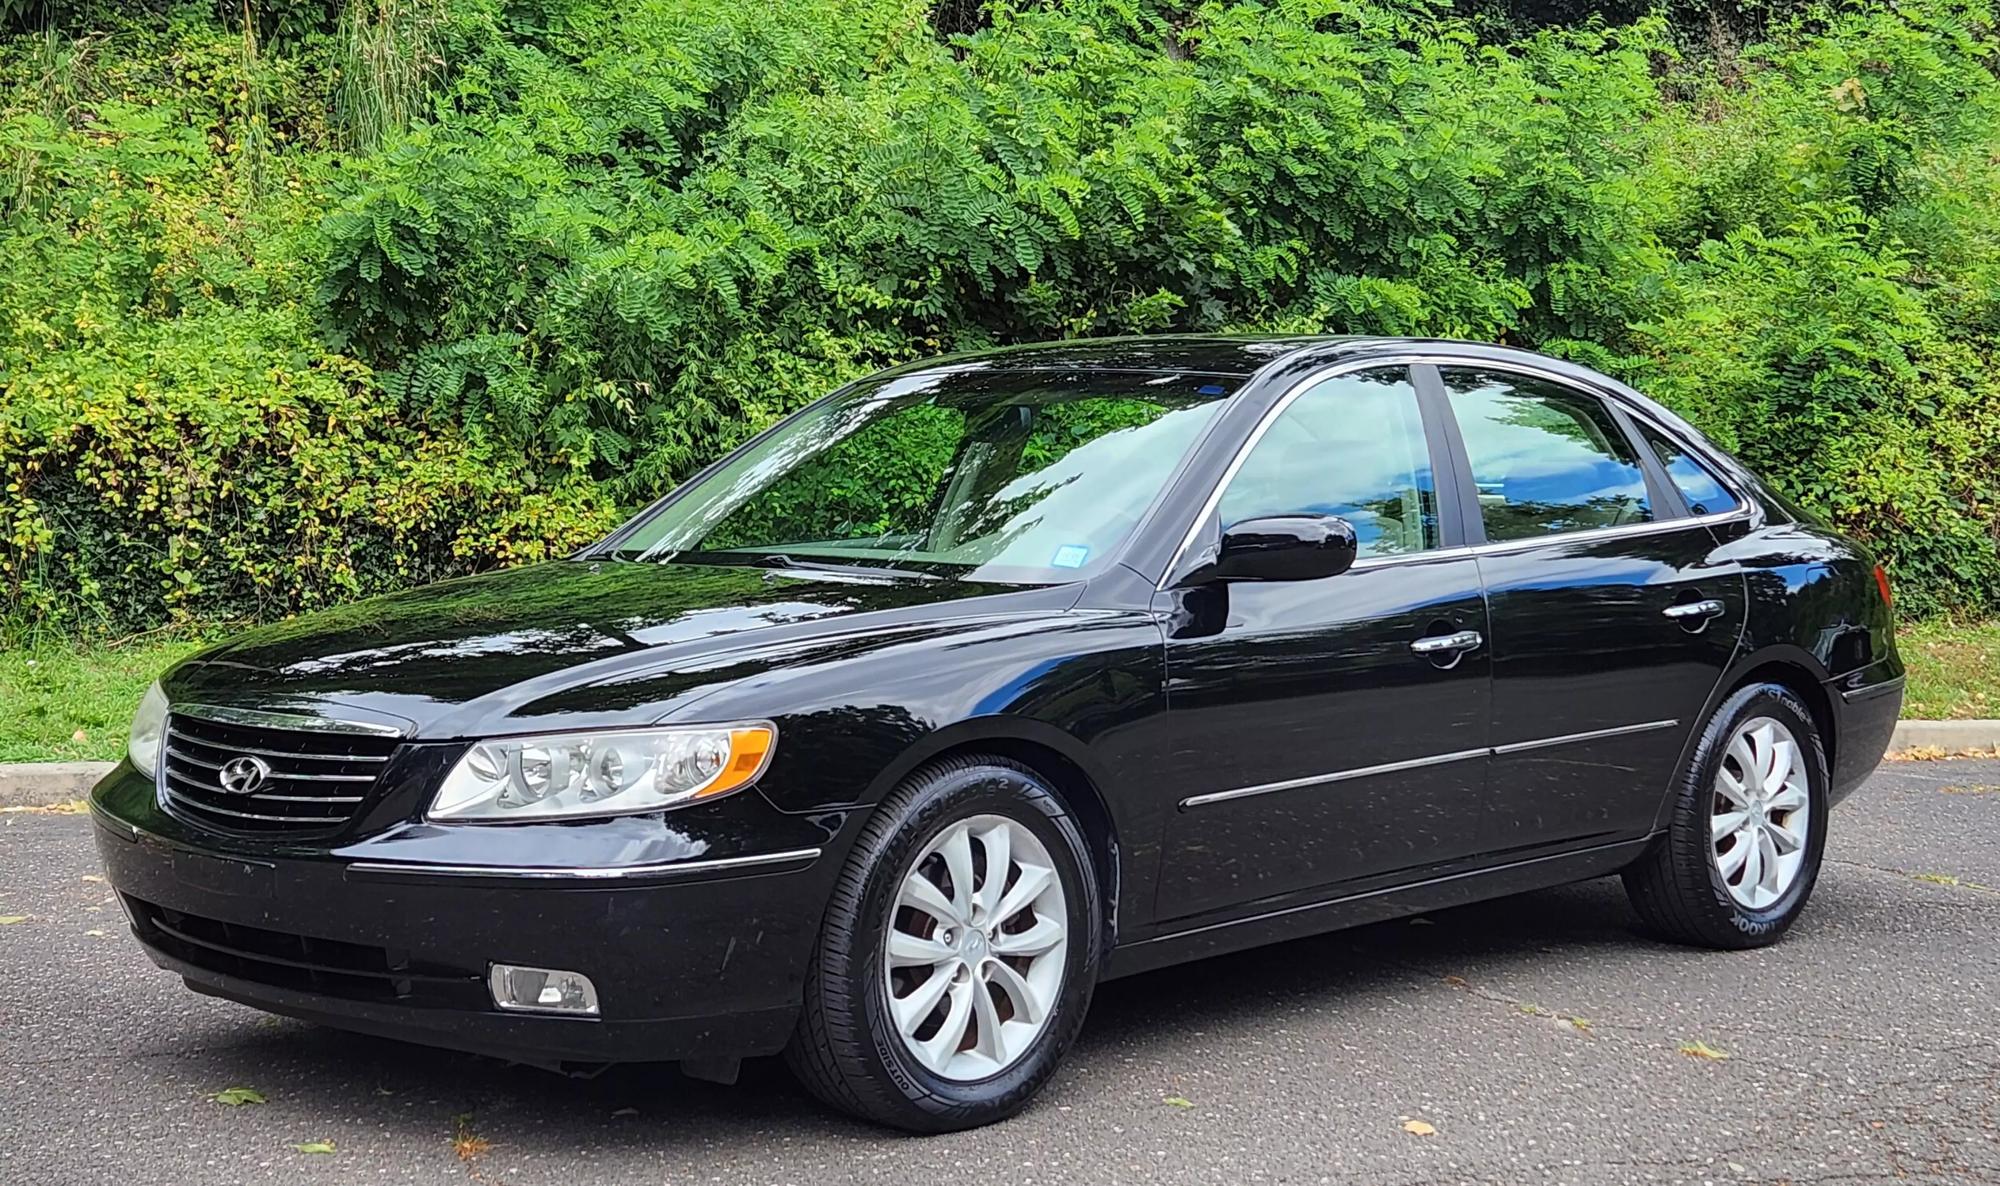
<point>1693,609</point>
<point>1464,640</point>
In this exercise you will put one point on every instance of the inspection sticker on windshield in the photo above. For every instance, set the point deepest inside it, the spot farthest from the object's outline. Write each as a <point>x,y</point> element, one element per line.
<point>1070,556</point>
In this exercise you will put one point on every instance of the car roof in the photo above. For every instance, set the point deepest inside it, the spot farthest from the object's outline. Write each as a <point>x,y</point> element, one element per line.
<point>1243,356</point>
<point>1238,356</point>
<point>1204,354</point>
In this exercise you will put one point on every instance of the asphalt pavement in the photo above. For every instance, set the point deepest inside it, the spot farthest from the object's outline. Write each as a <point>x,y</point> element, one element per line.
<point>1537,1039</point>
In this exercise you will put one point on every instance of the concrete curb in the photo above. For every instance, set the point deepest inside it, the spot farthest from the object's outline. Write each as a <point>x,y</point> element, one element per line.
<point>1951,736</point>
<point>40,784</point>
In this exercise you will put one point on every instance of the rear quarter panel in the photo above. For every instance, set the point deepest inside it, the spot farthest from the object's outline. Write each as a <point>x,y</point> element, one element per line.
<point>1814,606</point>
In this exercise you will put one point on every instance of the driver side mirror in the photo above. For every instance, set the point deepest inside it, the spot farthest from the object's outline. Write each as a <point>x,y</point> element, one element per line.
<point>1286,548</point>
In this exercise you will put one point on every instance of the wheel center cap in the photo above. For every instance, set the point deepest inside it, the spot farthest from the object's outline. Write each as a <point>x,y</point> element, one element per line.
<point>974,946</point>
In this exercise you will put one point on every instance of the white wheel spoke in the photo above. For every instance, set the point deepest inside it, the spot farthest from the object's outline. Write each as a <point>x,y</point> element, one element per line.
<point>938,1051</point>
<point>907,950</point>
<point>1727,824</point>
<point>1769,867</point>
<point>957,973</point>
<point>1028,1004</point>
<point>1786,840</point>
<point>921,893</point>
<point>911,1010</point>
<point>1746,761</point>
<point>1729,862</point>
<point>1763,746</point>
<point>1753,862</point>
<point>999,845</point>
<point>1730,788</point>
<point>991,1040</point>
<point>1782,754</point>
<point>1028,887</point>
<point>958,858</point>
<point>1041,937</point>
<point>1791,798</point>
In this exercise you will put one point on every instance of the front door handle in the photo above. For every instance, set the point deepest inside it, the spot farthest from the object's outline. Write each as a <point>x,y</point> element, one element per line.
<point>1693,609</point>
<point>1464,640</point>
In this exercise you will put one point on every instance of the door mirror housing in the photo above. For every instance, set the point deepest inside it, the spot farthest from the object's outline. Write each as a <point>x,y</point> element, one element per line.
<point>1286,548</point>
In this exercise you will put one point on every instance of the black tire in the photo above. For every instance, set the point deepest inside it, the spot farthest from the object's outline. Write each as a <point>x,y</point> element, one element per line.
<point>846,1050</point>
<point>1677,887</point>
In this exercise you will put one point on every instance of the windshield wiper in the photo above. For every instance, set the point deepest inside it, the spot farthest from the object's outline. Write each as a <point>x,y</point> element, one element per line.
<point>782,560</point>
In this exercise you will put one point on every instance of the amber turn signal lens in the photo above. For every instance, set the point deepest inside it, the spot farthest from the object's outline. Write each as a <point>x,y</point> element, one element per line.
<point>749,750</point>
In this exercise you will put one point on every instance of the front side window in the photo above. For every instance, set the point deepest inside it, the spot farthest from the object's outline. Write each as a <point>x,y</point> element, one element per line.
<point>1704,492</point>
<point>1546,459</point>
<point>1351,446</point>
<point>1018,476</point>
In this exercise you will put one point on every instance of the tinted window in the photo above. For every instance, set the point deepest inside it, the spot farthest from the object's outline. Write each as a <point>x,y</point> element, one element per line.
<point>1352,446</point>
<point>1022,476</point>
<point>1705,493</point>
<point>1546,459</point>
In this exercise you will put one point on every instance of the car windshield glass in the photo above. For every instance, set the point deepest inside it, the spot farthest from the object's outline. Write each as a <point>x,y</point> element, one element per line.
<point>1015,476</point>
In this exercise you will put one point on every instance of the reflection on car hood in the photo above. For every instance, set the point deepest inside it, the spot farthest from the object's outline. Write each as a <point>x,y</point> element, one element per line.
<point>428,657</point>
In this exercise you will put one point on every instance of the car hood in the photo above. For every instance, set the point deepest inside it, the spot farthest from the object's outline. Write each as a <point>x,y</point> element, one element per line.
<point>476,655</point>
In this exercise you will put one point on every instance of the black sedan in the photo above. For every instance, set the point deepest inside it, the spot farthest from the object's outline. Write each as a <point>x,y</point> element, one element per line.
<point>886,737</point>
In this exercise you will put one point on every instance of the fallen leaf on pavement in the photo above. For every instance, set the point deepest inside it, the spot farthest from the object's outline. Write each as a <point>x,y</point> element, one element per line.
<point>1703,1050</point>
<point>8,920</point>
<point>1420,1128</point>
<point>73,807</point>
<point>236,1097</point>
<point>1175,1101</point>
<point>464,1142</point>
<point>315,1147</point>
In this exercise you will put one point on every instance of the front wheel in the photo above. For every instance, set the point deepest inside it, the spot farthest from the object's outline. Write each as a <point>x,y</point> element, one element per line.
<point>958,955</point>
<point>1742,849</point>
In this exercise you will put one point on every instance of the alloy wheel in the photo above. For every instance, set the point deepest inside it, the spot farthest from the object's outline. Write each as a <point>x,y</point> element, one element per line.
<point>978,939</point>
<point>1761,814</point>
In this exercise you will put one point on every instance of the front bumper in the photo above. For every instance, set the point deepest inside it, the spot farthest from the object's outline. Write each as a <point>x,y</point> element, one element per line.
<point>695,935</point>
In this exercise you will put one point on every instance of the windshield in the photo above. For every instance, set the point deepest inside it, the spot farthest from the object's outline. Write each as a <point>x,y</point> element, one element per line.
<point>1013,476</point>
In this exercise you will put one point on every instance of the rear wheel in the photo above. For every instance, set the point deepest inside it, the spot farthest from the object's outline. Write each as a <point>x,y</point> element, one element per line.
<point>958,955</point>
<point>1743,846</point>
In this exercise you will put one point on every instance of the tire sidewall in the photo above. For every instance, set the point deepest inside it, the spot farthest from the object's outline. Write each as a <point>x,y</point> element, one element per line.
<point>1781,703</point>
<point>942,800</point>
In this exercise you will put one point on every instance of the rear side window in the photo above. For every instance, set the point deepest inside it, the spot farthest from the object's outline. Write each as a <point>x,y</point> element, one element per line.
<point>1705,493</point>
<point>1547,459</point>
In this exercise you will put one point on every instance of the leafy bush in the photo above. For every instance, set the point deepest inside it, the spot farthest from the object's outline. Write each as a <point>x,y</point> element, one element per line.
<point>438,284</point>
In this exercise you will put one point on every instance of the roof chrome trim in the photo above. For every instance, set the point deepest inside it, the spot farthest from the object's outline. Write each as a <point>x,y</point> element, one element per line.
<point>296,721</point>
<point>1743,510</point>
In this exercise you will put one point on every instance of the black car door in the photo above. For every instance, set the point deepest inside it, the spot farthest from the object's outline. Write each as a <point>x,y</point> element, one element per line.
<point>1328,731</point>
<point>1610,623</point>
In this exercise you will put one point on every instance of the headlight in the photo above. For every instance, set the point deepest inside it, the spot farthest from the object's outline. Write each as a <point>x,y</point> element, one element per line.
<point>149,725</point>
<point>570,775</point>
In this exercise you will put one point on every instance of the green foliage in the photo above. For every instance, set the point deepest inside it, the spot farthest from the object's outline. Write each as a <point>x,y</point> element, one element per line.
<point>421,286</point>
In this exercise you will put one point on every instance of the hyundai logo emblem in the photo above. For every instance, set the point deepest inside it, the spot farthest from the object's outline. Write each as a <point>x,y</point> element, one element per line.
<point>242,776</point>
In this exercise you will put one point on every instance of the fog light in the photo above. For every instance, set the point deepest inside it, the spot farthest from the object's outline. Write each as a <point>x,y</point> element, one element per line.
<point>542,990</point>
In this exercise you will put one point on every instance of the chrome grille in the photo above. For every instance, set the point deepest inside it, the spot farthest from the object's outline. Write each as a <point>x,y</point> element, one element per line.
<point>316,781</point>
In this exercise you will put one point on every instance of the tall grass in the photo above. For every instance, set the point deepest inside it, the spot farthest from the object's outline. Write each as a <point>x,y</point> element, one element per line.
<point>389,59</point>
